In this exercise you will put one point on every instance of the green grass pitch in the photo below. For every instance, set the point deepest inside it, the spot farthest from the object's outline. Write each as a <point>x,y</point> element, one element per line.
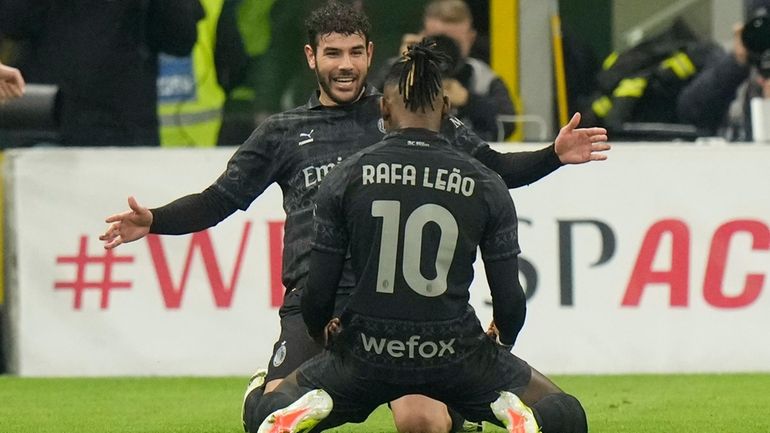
<point>727,403</point>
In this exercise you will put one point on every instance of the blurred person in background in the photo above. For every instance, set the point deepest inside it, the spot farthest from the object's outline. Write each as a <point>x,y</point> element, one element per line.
<point>718,100</point>
<point>11,83</point>
<point>190,88</point>
<point>641,85</point>
<point>103,56</point>
<point>477,94</point>
<point>271,76</point>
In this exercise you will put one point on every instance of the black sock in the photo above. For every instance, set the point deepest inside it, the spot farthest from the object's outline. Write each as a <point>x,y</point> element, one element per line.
<point>457,419</point>
<point>262,404</point>
<point>458,422</point>
<point>560,413</point>
<point>250,404</point>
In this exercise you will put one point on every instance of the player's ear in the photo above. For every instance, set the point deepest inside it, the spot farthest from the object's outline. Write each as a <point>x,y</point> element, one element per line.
<point>446,107</point>
<point>310,56</point>
<point>385,112</point>
<point>369,53</point>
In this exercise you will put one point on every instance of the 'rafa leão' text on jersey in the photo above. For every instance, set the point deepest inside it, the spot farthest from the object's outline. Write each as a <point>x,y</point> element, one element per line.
<point>412,210</point>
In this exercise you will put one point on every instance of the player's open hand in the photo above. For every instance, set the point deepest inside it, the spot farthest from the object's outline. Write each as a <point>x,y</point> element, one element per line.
<point>127,226</point>
<point>578,145</point>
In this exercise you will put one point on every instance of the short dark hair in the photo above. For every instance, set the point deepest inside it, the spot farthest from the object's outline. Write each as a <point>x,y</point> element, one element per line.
<point>335,17</point>
<point>449,11</point>
<point>418,75</point>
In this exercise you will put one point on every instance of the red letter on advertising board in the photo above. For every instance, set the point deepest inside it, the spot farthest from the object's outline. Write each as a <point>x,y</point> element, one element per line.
<point>275,231</point>
<point>677,277</point>
<point>172,296</point>
<point>715,269</point>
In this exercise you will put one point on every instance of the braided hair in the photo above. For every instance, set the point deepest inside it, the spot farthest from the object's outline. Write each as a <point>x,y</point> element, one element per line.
<point>418,75</point>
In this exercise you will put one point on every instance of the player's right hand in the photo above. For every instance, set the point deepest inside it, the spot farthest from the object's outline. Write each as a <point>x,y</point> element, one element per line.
<point>492,331</point>
<point>127,226</point>
<point>11,83</point>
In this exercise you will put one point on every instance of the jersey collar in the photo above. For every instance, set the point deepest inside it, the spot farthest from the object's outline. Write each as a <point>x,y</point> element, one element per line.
<point>315,102</point>
<point>417,134</point>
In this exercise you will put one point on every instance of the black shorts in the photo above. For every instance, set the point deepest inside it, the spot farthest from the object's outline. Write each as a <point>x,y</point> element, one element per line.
<point>468,387</point>
<point>294,345</point>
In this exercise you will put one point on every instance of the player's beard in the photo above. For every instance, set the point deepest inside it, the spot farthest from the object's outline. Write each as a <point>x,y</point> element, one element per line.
<point>326,85</point>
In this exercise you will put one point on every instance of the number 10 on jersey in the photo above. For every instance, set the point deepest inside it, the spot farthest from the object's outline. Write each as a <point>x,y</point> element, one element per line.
<point>410,243</point>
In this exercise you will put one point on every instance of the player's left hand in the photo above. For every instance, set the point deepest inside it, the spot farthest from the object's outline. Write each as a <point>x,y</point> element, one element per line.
<point>494,334</point>
<point>579,145</point>
<point>127,226</point>
<point>330,331</point>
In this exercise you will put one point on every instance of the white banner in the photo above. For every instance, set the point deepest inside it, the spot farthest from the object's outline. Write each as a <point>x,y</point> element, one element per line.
<point>654,261</point>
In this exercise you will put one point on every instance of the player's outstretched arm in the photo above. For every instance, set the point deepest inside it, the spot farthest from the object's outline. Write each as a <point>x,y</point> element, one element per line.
<point>573,145</point>
<point>127,226</point>
<point>576,145</point>
<point>11,83</point>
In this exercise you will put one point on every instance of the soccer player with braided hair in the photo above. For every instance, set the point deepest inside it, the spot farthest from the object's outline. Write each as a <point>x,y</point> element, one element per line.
<point>412,210</point>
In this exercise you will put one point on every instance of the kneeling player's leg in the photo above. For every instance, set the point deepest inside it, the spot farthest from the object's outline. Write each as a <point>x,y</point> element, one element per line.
<point>501,388</point>
<point>291,407</point>
<point>555,410</point>
<point>322,393</point>
<point>254,390</point>
<point>419,414</point>
<point>293,347</point>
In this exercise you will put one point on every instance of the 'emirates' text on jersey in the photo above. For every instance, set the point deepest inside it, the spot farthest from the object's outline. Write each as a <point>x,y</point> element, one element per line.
<point>413,209</point>
<point>296,149</point>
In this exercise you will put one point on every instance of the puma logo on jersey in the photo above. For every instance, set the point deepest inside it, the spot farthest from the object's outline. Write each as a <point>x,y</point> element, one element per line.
<point>410,348</point>
<point>308,138</point>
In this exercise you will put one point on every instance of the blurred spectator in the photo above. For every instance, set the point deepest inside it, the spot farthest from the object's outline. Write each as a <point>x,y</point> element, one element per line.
<point>642,84</point>
<point>103,57</point>
<point>480,11</point>
<point>274,76</point>
<point>718,100</point>
<point>190,91</point>
<point>475,91</point>
<point>11,83</point>
<point>581,66</point>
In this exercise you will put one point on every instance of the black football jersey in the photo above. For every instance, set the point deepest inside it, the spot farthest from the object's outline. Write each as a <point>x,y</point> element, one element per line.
<point>297,149</point>
<point>413,209</point>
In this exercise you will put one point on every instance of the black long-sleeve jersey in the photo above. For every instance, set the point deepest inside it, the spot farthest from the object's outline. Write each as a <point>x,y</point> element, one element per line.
<point>412,210</point>
<point>297,149</point>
